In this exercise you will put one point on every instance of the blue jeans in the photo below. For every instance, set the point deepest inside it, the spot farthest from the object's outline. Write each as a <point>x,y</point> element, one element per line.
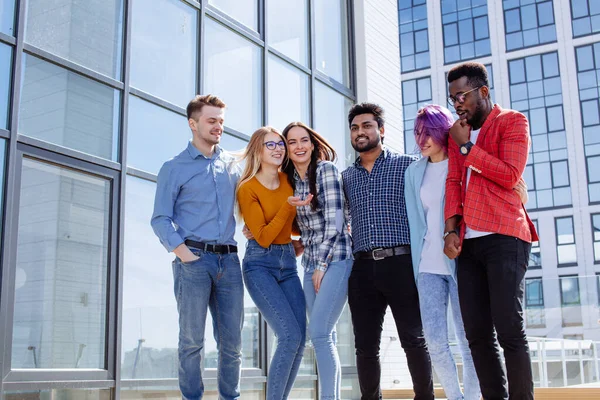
<point>324,310</point>
<point>434,292</point>
<point>271,278</point>
<point>213,281</point>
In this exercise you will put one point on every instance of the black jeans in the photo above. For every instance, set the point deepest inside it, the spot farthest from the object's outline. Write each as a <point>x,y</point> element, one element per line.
<point>372,287</point>
<point>491,270</point>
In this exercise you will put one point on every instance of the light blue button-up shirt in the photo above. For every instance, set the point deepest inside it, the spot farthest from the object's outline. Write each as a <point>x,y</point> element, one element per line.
<point>195,198</point>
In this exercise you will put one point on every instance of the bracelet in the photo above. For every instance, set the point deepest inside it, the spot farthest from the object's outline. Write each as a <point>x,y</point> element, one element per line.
<point>448,233</point>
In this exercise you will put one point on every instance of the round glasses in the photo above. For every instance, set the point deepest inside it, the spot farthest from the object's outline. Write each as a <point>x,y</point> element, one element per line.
<point>460,97</point>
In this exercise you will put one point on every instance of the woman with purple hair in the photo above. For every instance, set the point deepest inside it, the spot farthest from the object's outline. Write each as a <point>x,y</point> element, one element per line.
<point>424,185</point>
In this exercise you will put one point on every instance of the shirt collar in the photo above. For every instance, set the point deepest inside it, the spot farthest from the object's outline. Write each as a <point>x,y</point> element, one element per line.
<point>383,156</point>
<point>195,153</point>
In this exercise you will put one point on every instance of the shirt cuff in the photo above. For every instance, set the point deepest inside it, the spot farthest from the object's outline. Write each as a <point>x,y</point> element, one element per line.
<point>321,266</point>
<point>173,241</point>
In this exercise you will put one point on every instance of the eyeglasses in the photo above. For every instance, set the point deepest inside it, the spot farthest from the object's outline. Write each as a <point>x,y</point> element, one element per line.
<point>272,145</point>
<point>460,98</point>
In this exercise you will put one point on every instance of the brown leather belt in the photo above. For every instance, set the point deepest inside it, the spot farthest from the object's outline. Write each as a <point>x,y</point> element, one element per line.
<point>381,253</point>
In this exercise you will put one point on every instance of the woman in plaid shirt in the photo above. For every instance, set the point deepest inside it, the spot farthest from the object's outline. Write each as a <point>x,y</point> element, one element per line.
<point>327,258</point>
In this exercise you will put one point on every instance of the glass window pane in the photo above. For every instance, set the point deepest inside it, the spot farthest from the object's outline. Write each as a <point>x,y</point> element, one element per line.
<point>2,171</point>
<point>560,174</point>
<point>233,69</point>
<point>7,17</point>
<point>150,321</point>
<point>245,11</point>
<point>87,33</point>
<point>569,287</point>
<point>163,49</point>
<point>585,59</point>
<point>288,28</point>
<point>288,94</point>
<point>5,68</point>
<point>155,135</point>
<point>61,287</point>
<point>64,108</point>
<point>331,110</point>
<point>331,39</point>
<point>564,230</point>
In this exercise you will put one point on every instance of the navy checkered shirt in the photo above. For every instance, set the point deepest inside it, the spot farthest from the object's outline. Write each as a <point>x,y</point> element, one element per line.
<point>376,202</point>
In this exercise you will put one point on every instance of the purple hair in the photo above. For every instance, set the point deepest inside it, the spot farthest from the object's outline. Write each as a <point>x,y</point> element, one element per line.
<point>433,122</point>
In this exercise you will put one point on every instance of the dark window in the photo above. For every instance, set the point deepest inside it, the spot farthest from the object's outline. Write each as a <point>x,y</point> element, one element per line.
<point>585,16</point>
<point>565,241</point>
<point>414,36</point>
<point>415,94</point>
<point>466,31</point>
<point>588,68</point>
<point>528,23</point>
<point>535,90</point>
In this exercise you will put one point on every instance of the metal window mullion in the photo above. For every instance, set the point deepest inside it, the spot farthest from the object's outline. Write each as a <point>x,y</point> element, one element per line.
<point>118,209</point>
<point>10,204</point>
<point>263,329</point>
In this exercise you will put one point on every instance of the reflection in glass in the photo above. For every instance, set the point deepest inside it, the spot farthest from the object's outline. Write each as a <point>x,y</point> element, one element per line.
<point>251,327</point>
<point>288,28</point>
<point>250,391</point>
<point>245,11</point>
<point>150,321</point>
<point>64,108</point>
<point>331,110</point>
<point>288,94</point>
<point>5,67</point>
<point>232,69</point>
<point>7,17</point>
<point>61,270</point>
<point>88,33</point>
<point>331,39</point>
<point>61,394</point>
<point>2,171</point>
<point>154,135</point>
<point>163,49</point>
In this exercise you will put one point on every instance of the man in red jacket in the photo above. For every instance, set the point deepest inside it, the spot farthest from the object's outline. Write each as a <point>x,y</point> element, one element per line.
<point>489,231</point>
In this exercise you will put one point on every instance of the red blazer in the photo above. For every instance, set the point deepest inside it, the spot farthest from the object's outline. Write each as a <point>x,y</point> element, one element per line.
<point>497,163</point>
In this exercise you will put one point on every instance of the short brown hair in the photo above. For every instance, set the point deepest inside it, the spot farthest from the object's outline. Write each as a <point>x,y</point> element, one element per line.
<point>196,104</point>
<point>367,108</point>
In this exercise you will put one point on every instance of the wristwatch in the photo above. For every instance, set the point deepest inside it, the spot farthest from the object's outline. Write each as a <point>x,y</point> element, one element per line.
<point>447,233</point>
<point>466,148</point>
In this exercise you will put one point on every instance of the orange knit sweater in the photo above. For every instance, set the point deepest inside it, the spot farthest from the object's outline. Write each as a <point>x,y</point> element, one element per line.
<point>266,212</point>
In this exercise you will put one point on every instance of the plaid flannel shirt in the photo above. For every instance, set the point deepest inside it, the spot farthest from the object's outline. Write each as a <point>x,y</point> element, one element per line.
<point>324,231</point>
<point>376,202</point>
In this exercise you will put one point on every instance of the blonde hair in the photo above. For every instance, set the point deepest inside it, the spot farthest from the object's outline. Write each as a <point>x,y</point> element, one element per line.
<point>252,155</point>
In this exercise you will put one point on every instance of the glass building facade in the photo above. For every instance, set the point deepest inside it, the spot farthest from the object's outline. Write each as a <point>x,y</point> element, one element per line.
<point>92,102</point>
<point>545,59</point>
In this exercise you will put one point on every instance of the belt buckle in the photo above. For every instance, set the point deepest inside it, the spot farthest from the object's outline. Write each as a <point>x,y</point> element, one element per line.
<point>375,257</point>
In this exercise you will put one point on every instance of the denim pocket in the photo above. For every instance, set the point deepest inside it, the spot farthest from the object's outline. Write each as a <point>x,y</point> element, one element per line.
<point>196,253</point>
<point>255,250</point>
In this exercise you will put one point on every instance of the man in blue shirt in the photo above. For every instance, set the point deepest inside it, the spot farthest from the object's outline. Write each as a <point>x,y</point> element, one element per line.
<point>193,218</point>
<point>382,274</point>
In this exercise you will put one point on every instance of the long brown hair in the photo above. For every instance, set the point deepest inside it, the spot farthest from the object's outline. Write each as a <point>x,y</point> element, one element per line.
<point>322,152</point>
<point>253,153</point>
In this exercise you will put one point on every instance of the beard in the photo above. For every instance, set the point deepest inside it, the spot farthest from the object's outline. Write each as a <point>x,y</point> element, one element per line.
<point>477,118</point>
<point>369,145</point>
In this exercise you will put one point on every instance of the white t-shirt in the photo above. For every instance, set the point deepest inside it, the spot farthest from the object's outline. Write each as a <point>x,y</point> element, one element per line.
<point>472,233</point>
<point>434,183</point>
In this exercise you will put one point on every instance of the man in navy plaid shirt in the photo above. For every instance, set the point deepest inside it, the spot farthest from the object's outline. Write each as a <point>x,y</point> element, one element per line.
<point>382,274</point>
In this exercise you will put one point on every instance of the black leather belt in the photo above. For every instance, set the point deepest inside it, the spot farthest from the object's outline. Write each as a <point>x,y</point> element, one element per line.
<point>381,253</point>
<point>213,248</point>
